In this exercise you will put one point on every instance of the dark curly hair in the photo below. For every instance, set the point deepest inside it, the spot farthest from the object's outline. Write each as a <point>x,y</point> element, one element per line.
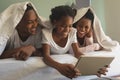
<point>29,7</point>
<point>60,11</point>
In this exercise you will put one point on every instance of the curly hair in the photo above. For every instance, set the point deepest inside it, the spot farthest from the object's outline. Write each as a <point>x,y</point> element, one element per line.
<point>61,11</point>
<point>29,7</point>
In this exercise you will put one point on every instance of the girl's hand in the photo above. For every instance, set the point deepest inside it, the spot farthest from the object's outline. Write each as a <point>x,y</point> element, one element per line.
<point>96,46</point>
<point>102,71</point>
<point>68,70</point>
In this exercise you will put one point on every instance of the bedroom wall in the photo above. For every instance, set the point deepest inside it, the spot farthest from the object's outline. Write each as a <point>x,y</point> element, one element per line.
<point>98,6</point>
<point>43,6</point>
<point>109,14</point>
<point>112,15</point>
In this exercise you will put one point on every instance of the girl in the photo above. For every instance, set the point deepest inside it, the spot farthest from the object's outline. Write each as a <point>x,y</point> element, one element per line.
<point>90,35</point>
<point>57,40</point>
<point>85,35</point>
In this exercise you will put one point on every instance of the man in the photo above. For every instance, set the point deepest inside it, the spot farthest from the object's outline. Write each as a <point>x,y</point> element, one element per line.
<point>25,40</point>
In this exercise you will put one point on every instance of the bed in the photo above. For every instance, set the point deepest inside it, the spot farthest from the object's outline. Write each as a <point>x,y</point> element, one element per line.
<point>35,69</point>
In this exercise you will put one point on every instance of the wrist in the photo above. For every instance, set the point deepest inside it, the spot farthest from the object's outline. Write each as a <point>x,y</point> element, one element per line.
<point>57,66</point>
<point>32,48</point>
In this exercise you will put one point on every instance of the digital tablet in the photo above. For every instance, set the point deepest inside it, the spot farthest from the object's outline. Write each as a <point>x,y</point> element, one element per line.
<point>89,65</point>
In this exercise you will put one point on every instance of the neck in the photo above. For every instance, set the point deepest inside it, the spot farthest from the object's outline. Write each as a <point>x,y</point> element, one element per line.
<point>80,40</point>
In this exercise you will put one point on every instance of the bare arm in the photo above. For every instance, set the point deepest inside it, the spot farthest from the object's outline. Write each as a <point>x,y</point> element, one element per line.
<point>8,53</point>
<point>47,59</point>
<point>65,69</point>
<point>38,52</point>
<point>21,53</point>
<point>76,50</point>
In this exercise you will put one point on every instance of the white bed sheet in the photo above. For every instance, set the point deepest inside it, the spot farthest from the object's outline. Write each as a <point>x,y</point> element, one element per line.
<point>35,69</point>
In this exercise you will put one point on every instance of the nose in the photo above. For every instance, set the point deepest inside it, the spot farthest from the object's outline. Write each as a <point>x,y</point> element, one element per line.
<point>82,29</point>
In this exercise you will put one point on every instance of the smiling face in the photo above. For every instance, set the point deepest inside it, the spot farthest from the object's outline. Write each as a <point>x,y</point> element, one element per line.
<point>83,27</point>
<point>29,22</point>
<point>63,26</point>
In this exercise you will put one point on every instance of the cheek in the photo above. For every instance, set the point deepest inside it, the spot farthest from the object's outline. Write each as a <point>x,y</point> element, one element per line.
<point>58,30</point>
<point>87,30</point>
<point>29,26</point>
<point>78,29</point>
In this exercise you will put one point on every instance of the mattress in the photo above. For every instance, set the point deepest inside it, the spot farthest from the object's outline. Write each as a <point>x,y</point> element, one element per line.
<point>35,69</point>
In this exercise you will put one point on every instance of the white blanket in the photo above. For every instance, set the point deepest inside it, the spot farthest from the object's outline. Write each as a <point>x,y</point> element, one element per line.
<point>9,18</point>
<point>101,38</point>
<point>35,69</point>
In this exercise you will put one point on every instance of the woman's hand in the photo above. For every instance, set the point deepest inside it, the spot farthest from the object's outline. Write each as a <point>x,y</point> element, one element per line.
<point>68,70</point>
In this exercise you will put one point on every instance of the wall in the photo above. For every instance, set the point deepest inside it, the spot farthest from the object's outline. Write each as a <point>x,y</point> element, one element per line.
<point>43,6</point>
<point>107,11</point>
<point>109,14</point>
<point>98,6</point>
<point>112,15</point>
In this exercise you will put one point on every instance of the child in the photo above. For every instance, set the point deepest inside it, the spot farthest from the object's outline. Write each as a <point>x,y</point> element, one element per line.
<point>85,33</point>
<point>58,39</point>
<point>90,34</point>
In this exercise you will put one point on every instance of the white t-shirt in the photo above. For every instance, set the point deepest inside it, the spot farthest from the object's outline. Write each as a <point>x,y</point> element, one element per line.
<point>15,41</point>
<point>55,48</point>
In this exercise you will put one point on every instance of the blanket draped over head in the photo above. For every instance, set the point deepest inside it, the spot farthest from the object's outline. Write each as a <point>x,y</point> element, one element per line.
<point>9,19</point>
<point>106,42</point>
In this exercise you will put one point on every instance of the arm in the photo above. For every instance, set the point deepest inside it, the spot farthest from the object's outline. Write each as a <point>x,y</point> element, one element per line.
<point>8,53</point>
<point>90,45</point>
<point>21,53</point>
<point>46,56</point>
<point>65,69</point>
<point>38,52</point>
<point>90,48</point>
<point>76,50</point>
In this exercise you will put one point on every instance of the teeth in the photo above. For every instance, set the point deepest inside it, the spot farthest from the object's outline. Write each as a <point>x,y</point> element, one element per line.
<point>81,32</point>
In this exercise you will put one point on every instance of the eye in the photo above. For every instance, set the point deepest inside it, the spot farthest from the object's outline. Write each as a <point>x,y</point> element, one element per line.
<point>37,20</point>
<point>30,22</point>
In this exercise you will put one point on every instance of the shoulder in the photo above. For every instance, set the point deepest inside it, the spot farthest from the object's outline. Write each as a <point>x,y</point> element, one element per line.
<point>14,34</point>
